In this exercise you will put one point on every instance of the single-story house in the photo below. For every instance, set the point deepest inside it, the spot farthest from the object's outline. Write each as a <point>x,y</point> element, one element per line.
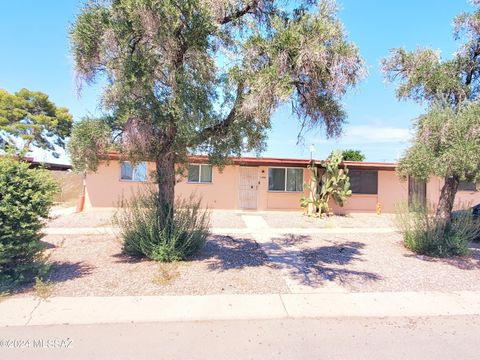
<point>251,183</point>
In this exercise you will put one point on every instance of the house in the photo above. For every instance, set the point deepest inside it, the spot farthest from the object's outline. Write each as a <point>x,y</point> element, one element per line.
<point>250,183</point>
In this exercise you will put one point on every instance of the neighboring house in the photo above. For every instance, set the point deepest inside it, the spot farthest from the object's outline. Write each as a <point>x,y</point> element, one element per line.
<point>264,184</point>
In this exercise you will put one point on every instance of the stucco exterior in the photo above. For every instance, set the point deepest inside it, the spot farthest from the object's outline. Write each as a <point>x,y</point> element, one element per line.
<point>105,188</point>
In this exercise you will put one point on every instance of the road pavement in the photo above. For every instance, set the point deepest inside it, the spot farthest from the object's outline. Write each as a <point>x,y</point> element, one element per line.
<point>452,337</point>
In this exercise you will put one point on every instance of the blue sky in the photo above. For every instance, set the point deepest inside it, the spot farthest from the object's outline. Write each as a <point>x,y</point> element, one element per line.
<point>35,55</point>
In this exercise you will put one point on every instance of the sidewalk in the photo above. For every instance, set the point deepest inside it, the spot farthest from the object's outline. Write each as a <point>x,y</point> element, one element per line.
<point>22,311</point>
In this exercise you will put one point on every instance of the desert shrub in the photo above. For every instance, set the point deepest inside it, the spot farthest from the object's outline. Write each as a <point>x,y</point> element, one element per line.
<point>426,235</point>
<point>144,234</point>
<point>26,196</point>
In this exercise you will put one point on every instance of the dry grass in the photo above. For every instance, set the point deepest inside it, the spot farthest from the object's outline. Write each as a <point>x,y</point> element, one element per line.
<point>4,295</point>
<point>43,289</point>
<point>167,273</point>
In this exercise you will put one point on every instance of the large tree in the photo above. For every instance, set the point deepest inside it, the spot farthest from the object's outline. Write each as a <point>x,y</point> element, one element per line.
<point>447,86</point>
<point>205,76</point>
<point>30,118</point>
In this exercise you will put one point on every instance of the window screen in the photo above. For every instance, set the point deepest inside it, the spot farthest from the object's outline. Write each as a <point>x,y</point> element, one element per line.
<point>294,179</point>
<point>467,186</point>
<point>194,173</point>
<point>363,181</point>
<point>285,179</point>
<point>131,172</point>
<point>126,171</point>
<point>200,173</point>
<point>276,179</point>
<point>140,172</point>
<point>206,173</point>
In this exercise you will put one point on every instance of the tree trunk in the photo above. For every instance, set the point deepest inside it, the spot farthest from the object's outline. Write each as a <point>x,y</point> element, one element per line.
<point>165,168</point>
<point>447,197</point>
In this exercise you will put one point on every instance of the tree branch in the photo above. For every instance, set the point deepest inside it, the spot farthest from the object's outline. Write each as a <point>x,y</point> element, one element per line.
<point>239,13</point>
<point>221,128</point>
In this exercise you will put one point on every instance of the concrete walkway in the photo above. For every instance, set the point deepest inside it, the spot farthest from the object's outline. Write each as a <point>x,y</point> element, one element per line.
<point>21,311</point>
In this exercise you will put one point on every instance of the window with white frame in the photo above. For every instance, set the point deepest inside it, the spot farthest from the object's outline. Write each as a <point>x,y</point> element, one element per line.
<point>201,173</point>
<point>133,172</point>
<point>285,179</point>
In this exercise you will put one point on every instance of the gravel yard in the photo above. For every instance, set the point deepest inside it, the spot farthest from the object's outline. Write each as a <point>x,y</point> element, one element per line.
<point>94,266</point>
<point>299,220</point>
<point>369,263</point>
<point>99,218</point>
<point>86,265</point>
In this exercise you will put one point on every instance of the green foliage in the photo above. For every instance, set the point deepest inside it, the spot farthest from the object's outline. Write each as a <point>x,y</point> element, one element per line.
<point>169,94</point>
<point>146,231</point>
<point>447,143</point>
<point>427,235</point>
<point>334,183</point>
<point>33,118</point>
<point>90,138</point>
<point>352,155</point>
<point>26,196</point>
<point>451,87</point>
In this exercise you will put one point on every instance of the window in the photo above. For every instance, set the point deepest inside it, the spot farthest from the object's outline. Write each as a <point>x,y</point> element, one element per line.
<point>132,172</point>
<point>200,174</point>
<point>285,179</point>
<point>363,181</point>
<point>467,186</point>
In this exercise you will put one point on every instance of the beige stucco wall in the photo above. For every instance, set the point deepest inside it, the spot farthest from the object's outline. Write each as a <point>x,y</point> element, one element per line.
<point>463,199</point>
<point>105,189</point>
<point>391,190</point>
<point>220,194</point>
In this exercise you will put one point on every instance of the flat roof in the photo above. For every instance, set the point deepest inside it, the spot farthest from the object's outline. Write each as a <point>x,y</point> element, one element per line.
<point>292,162</point>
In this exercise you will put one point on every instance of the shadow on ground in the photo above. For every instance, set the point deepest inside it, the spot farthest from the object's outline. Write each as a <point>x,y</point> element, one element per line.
<point>310,267</point>
<point>58,272</point>
<point>65,271</point>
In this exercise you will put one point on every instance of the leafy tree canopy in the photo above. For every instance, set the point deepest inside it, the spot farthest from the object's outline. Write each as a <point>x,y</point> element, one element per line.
<point>206,75</point>
<point>29,116</point>
<point>186,76</point>
<point>91,137</point>
<point>446,143</point>
<point>352,155</point>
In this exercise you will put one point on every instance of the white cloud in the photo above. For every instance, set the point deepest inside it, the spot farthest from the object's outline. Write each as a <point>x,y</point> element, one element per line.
<point>369,134</point>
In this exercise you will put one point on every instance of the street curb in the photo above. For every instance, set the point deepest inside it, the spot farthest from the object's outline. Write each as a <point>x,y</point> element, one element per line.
<point>21,311</point>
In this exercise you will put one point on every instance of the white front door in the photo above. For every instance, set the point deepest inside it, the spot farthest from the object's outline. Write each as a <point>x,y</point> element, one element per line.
<point>248,187</point>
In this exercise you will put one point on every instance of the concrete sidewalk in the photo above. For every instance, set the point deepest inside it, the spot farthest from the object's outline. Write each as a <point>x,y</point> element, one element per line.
<point>20,311</point>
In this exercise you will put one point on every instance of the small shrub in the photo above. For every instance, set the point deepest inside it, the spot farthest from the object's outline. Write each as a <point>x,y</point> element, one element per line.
<point>426,235</point>
<point>144,233</point>
<point>26,196</point>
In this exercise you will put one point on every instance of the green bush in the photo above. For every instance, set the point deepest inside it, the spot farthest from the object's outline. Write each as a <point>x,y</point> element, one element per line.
<point>426,235</point>
<point>26,196</point>
<point>144,234</point>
